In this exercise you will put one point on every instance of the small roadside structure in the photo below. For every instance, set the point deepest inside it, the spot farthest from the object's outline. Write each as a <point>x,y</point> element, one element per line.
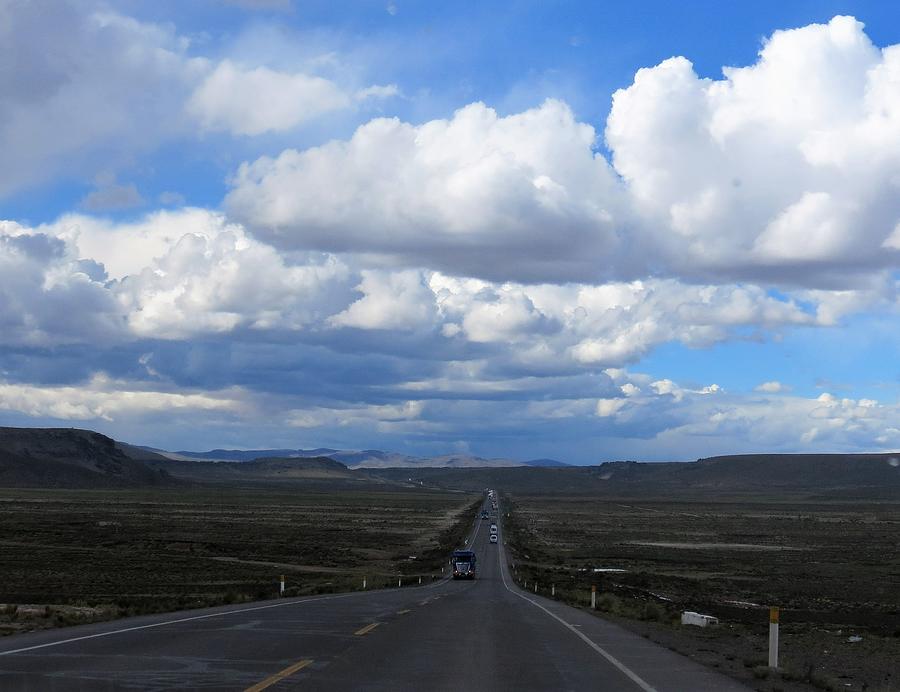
<point>689,617</point>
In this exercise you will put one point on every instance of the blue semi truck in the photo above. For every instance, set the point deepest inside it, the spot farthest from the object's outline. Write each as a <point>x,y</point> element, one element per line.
<point>463,563</point>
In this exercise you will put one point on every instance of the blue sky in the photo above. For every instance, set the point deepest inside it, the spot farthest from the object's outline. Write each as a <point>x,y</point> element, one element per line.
<point>586,231</point>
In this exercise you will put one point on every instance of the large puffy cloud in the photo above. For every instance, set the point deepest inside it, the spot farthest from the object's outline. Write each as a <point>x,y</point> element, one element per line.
<point>606,325</point>
<point>220,284</point>
<point>189,272</point>
<point>520,197</point>
<point>785,170</point>
<point>169,275</point>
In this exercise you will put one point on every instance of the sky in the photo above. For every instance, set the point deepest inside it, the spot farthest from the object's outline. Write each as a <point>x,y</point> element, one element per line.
<point>578,230</point>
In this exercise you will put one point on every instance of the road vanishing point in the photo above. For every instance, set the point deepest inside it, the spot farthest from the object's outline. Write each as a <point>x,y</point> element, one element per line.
<point>486,634</point>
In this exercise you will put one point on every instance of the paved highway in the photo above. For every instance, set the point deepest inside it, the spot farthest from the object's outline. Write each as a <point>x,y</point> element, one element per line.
<point>485,634</point>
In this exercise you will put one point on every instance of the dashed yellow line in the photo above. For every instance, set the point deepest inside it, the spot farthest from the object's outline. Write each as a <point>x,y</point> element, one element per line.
<point>365,630</point>
<point>287,672</point>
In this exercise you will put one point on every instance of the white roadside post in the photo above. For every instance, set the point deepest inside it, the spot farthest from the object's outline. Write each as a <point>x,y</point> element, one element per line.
<point>773,636</point>
<point>535,587</point>
<point>399,581</point>
<point>593,597</point>
<point>364,583</point>
<point>553,590</point>
<point>281,586</point>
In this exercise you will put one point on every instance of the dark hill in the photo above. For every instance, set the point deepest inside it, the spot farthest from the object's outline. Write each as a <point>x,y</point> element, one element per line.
<point>546,463</point>
<point>70,458</point>
<point>322,472</point>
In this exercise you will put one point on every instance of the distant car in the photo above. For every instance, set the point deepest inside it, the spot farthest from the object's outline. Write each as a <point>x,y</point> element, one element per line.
<point>484,514</point>
<point>493,538</point>
<point>493,529</point>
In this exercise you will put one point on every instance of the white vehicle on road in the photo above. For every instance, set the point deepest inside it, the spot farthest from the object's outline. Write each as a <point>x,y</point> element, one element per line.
<point>493,529</point>
<point>493,538</point>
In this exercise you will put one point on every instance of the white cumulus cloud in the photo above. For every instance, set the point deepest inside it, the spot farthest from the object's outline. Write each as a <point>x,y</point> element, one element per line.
<point>391,300</point>
<point>522,196</point>
<point>783,170</point>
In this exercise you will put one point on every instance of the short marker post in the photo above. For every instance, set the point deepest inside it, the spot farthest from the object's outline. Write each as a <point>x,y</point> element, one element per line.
<point>535,587</point>
<point>420,581</point>
<point>364,583</point>
<point>774,614</point>
<point>553,590</point>
<point>281,586</point>
<point>593,597</point>
<point>399,581</point>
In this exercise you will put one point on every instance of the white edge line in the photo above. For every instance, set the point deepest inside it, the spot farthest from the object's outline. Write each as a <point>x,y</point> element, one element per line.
<point>207,616</point>
<point>173,622</point>
<point>634,677</point>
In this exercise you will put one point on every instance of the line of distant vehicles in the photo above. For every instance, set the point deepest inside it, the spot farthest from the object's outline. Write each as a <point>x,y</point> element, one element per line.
<point>464,562</point>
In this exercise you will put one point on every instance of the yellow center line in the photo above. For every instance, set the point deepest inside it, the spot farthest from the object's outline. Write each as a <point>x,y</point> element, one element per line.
<point>290,670</point>
<point>366,629</point>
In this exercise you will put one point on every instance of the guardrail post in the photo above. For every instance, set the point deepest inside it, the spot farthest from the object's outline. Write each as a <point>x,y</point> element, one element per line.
<point>774,613</point>
<point>593,597</point>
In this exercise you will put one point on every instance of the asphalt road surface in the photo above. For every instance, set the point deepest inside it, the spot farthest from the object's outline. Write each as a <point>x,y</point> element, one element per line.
<point>485,634</point>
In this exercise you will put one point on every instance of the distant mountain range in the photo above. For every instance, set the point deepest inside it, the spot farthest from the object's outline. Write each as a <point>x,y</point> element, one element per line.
<point>362,459</point>
<point>72,458</point>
